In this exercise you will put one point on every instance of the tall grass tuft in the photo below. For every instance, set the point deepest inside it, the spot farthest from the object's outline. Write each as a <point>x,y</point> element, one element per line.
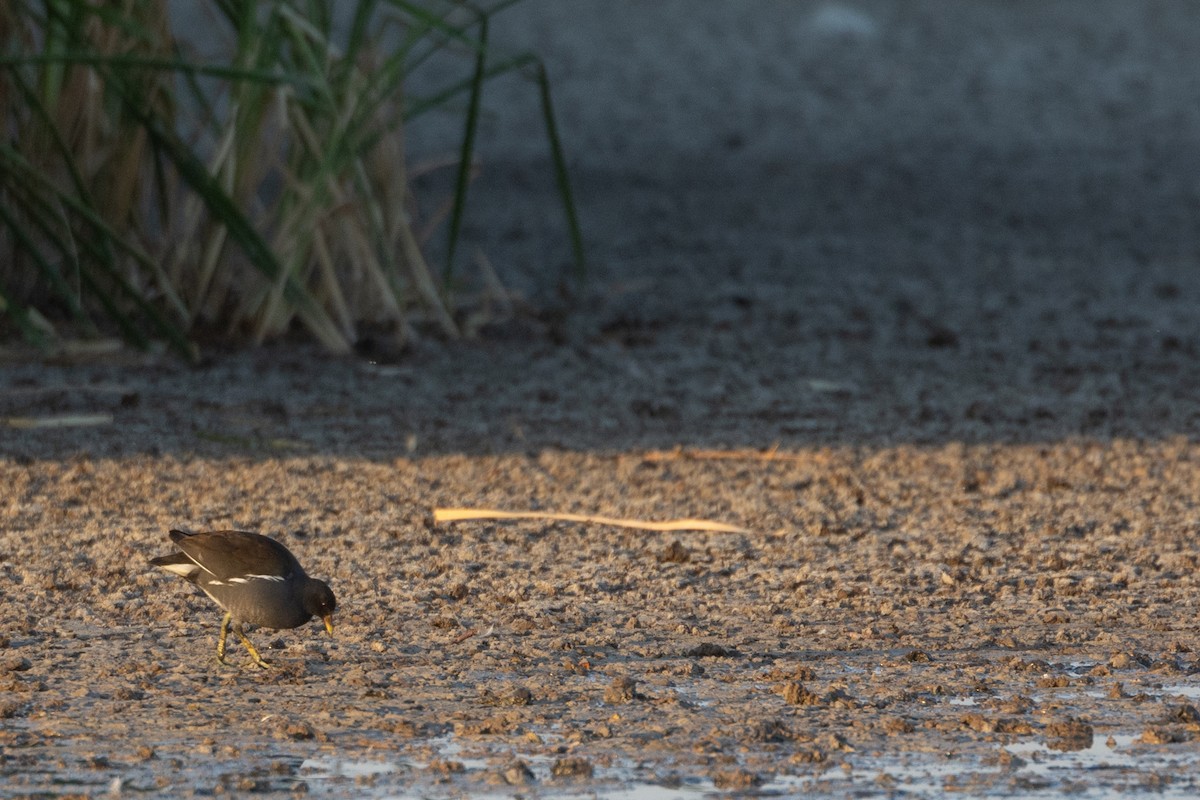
<point>147,187</point>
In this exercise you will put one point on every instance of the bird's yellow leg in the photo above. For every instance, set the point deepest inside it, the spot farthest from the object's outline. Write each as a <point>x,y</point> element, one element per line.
<point>253,653</point>
<point>221,641</point>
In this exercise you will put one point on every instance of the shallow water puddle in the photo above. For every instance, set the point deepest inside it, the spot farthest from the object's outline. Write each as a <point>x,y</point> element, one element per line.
<point>404,778</point>
<point>1177,691</point>
<point>1121,761</point>
<point>323,768</point>
<point>1076,669</point>
<point>1110,767</point>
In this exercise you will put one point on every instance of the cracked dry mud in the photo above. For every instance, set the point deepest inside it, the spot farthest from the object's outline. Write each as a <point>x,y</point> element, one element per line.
<point>919,313</point>
<point>896,610</point>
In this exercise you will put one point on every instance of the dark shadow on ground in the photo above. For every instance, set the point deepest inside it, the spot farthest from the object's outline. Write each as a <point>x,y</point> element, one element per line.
<point>861,226</point>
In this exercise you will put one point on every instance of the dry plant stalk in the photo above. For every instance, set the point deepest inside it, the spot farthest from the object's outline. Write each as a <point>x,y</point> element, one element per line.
<point>245,190</point>
<point>680,454</point>
<point>59,421</point>
<point>461,514</point>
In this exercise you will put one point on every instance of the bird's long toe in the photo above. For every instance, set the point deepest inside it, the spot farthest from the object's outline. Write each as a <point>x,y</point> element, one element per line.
<point>258,659</point>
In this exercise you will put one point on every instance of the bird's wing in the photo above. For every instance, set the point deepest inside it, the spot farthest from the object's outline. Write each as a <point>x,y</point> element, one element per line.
<point>232,554</point>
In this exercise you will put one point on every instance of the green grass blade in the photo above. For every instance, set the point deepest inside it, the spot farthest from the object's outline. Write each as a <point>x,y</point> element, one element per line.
<point>466,152</point>
<point>438,99</point>
<point>99,245</point>
<point>561,176</point>
<point>302,110</point>
<point>241,230</point>
<point>364,14</point>
<point>20,314</point>
<point>54,277</point>
<point>262,75</point>
<point>12,165</point>
<point>99,252</point>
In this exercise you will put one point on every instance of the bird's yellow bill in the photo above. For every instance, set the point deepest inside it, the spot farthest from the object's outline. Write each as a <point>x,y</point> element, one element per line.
<point>328,624</point>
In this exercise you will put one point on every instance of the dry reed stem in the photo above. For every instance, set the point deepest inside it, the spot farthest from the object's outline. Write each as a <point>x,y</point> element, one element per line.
<point>60,421</point>
<point>304,211</point>
<point>423,281</point>
<point>461,514</point>
<point>680,454</point>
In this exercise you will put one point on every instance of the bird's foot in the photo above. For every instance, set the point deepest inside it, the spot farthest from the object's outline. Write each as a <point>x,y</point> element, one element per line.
<point>250,648</point>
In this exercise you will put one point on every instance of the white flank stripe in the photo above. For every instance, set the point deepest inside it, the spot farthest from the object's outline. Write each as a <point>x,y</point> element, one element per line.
<point>237,580</point>
<point>215,583</point>
<point>185,570</point>
<point>276,578</point>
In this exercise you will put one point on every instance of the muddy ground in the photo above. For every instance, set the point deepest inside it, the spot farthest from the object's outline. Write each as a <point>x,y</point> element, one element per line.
<point>907,290</point>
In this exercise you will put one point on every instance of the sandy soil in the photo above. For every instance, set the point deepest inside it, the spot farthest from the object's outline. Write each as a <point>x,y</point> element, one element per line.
<point>908,290</point>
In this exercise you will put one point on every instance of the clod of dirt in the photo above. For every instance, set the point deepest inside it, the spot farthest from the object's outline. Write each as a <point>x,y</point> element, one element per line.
<point>795,694</point>
<point>1053,682</point>
<point>765,730</point>
<point>797,673</point>
<point>296,731</point>
<point>243,784</point>
<point>1007,759</point>
<point>808,755</point>
<point>711,650</point>
<point>600,730</point>
<point>1160,734</point>
<point>1129,661</point>
<point>518,774</point>
<point>982,724</point>
<point>1017,704</point>
<point>407,729</point>
<point>621,690</point>
<point>507,696</point>
<point>979,723</point>
<point>14,663</point>
<point>440,766</point>
<point>573,767</point>
<point>735,779</point>
<point>486,727</point>
<point>1184,713</point>
<point>940,336</point>
<point>1069,735</point>
<point>833,742</point>
<point>675,553</point>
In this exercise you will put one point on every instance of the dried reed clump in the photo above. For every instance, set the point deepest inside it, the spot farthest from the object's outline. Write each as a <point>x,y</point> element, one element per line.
<point>145,187</point>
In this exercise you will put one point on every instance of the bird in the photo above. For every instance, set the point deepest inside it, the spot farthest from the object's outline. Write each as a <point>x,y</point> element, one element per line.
<point>253,578</point>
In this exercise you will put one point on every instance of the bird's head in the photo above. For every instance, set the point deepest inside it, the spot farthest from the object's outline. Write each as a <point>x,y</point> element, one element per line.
<point>320,602</point>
